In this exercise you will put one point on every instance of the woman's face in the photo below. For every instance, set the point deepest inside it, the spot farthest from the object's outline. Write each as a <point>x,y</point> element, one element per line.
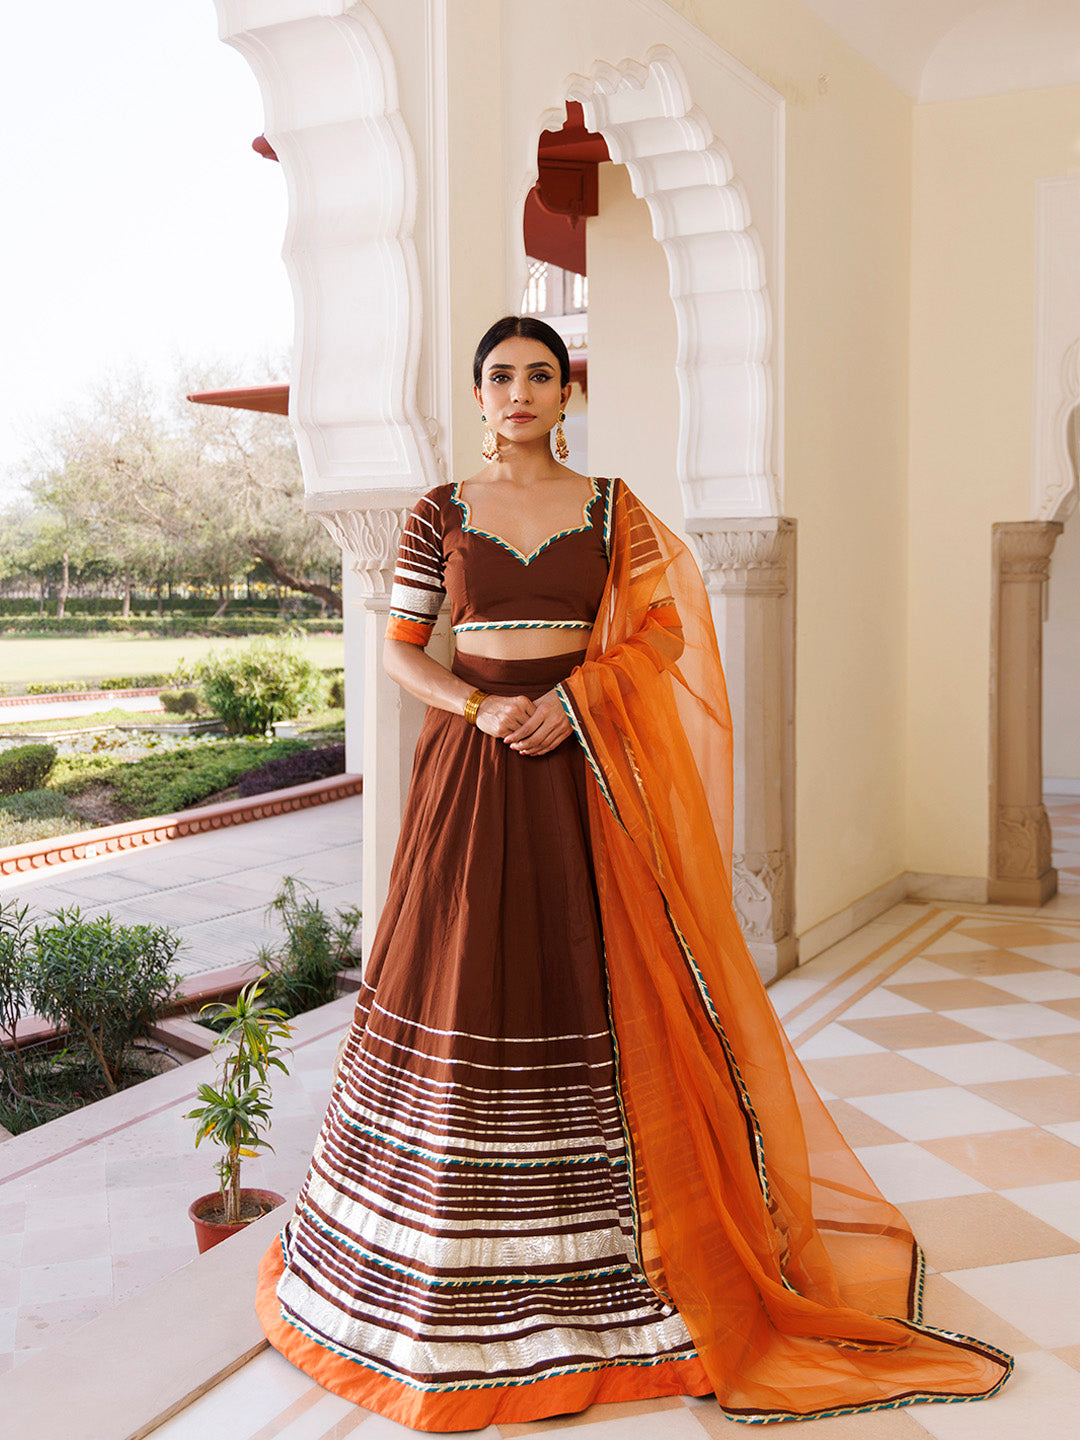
<point>519,389</point>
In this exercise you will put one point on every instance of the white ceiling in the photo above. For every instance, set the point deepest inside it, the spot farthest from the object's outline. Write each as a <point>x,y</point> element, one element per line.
<point>958,49</point>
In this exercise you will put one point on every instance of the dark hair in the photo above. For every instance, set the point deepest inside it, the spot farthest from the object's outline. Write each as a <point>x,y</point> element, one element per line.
<point>532,329</point>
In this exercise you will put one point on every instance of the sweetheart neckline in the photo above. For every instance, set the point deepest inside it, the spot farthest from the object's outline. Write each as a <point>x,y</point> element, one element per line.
<point>469,528</point>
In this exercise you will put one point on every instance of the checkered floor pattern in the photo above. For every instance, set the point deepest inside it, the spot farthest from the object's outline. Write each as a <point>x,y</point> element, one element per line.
<point>947,1044</point>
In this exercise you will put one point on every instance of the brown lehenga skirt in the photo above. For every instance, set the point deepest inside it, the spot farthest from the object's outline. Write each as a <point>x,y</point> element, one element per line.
<point>462,1251</point>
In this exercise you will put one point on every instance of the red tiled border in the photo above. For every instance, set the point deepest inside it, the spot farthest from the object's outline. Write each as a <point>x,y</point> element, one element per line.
<point>132,834</point>
<point>61,697</point>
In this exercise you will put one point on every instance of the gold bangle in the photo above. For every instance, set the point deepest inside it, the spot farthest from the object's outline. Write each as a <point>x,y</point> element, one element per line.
<point>472,705</point>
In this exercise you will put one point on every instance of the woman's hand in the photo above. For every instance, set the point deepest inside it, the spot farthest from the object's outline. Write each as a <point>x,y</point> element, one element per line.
<point>503,715</point>
<point>545,728</point>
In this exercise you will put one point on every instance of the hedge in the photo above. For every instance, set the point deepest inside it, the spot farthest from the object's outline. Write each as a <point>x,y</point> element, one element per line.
<point>25,767</point>
<point>170,780</point>
<point>146,605</point>
<point>111,682</point>
<point>177,626</point>
<point>297,769</point>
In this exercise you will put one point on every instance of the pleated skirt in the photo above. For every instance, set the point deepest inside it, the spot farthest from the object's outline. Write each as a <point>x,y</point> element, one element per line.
<point>462,1251</point>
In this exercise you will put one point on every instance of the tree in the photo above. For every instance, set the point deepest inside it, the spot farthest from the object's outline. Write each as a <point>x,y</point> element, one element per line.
<point>252,459</point>
<point>159,493</point>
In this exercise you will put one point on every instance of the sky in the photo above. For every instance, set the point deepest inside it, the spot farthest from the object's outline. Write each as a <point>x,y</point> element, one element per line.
<point>139,225</point>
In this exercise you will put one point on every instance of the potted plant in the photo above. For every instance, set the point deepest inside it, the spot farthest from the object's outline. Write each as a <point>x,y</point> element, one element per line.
<point>235,1113</point>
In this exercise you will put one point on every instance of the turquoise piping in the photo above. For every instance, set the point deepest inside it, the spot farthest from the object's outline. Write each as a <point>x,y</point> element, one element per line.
<point>471,529</point>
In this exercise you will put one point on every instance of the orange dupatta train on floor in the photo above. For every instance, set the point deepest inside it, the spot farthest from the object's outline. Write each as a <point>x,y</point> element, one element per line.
<point>799,1283</point>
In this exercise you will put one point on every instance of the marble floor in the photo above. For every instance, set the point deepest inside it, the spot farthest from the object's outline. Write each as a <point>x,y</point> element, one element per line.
<point>946,1040</point>
<point>93,1207</point>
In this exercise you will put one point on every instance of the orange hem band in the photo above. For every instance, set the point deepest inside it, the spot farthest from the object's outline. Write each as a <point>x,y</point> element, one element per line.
<point>464,1409</point>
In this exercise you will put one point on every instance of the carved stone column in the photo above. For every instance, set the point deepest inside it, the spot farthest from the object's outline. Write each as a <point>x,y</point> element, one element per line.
<point>1020,841</point>
<point>392,717</point>
<point>749,568</point>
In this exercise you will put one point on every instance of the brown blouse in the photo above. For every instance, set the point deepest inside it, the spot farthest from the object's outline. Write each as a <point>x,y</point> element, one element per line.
<point>490,584</point>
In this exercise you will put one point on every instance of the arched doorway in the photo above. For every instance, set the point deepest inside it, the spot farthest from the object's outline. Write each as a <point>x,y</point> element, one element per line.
<point>371,233</point>
<point>720,417</point>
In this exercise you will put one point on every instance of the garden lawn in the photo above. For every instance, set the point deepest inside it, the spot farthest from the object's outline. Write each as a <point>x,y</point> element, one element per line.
<point>26,660</point>
<point>172,780</point>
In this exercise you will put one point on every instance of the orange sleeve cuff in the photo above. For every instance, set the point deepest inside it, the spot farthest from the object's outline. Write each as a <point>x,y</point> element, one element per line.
<point>411,631</point>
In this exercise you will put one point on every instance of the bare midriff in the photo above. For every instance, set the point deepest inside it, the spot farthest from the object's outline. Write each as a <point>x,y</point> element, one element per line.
<point>521,644</point>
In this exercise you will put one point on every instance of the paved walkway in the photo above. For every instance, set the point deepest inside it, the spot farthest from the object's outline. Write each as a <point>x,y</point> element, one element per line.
<point>946,1040</point>
<point>213,889</point>
<point>46,709</point>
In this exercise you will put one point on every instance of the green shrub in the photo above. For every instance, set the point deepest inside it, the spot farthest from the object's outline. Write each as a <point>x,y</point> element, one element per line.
<point>14,986</point>
<point>104,982</point>
<point>73,774</point>
<point>301,971</point>
<point>179,702</point>
<point>134,682</point>
<point>34,805</point>
<point>171,779</point>
<point>111,682</point>
<point>25,767</point>
<point>21,832</point>
<point>36,815</point>
<point>251,688</point>
<point>335,691</point>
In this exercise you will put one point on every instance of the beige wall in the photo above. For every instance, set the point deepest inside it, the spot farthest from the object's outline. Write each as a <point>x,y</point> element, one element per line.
<point>975,163</point>
<point>847,198</point>
<point>633,394</point>
<point>907,315</point>
<point>846,328</point>
<point>1061,663</point>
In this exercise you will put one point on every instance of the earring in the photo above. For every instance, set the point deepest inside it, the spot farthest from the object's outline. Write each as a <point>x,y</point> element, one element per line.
<point>562,450</point>
<point>490,448</point>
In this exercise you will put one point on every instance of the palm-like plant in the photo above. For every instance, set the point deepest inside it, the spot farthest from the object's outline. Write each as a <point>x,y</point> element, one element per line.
<point>236,1113</point>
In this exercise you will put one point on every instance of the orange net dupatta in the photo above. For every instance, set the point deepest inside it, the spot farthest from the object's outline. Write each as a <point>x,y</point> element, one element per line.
<point>799,1283</point>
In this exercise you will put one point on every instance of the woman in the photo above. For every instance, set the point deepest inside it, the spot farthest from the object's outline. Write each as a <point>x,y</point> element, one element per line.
<point>570,1156</point>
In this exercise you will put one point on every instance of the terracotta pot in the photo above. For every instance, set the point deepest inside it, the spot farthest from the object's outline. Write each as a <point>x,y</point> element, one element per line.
<point>211,1232</point>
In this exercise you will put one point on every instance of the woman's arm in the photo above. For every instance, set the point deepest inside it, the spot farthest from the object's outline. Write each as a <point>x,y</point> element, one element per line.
<point>528,727</point>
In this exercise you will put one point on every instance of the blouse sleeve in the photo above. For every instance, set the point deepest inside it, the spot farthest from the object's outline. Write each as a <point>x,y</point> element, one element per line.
<point>418,590</point>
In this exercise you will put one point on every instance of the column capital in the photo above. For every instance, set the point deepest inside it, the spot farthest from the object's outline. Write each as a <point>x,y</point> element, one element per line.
<point>743,556</point>
<point>1023,548</point>
<point>370,538</point>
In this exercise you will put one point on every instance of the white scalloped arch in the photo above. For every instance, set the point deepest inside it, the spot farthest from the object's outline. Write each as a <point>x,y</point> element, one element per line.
<point>332,114</point>
<point>329,89</point>
<point>716,262</point>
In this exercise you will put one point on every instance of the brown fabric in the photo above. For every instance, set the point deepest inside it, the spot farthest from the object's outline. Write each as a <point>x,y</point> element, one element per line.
<point>798,1281</point>
<point>463,1247</point>
<point>486,580</point>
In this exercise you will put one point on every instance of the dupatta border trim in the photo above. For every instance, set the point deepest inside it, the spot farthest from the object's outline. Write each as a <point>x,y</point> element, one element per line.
<point>737,1417</point>
<point>583,740</point>
<point>635,1211</point>
<point>913,1321</point>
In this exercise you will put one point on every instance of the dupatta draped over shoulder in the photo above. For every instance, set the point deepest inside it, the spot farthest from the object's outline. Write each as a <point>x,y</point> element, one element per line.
<point>799,1283</point>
